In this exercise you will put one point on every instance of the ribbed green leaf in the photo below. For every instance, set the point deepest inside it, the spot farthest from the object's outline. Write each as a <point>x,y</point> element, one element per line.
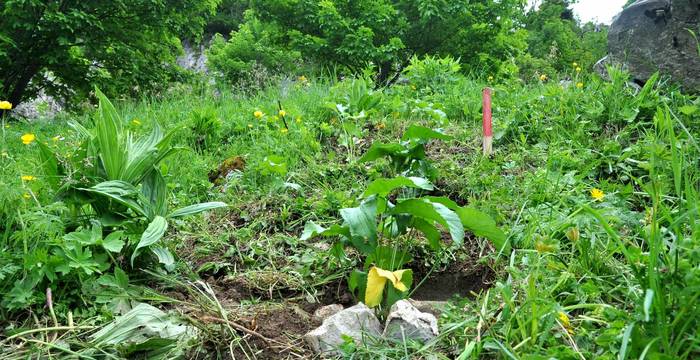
<point>362,222</point>
<point>433,212</point>
<point>483,225</point>
<point>417,132</point>
<point>153,233</point>
<point>197,208</point>
<point>384,187</point>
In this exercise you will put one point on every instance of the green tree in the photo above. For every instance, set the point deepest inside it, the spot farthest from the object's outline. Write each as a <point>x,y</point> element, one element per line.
<point>66,47</point>
<point>387,33</point>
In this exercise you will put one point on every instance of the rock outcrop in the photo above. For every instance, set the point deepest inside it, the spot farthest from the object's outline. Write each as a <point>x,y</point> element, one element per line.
<point>658,35</point>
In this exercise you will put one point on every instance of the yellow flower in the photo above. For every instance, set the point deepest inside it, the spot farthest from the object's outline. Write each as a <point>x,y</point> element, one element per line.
<point>543,77</point>
<point>543,248</point>
<point>381,126</point>
<point>303,78</point>
<point>573,234</point>
<point>284,130</point>
<point>26,196</point>
<point>413,87</point>
<point>575,65</point>
<point>298,119</point>
<point>579,85</point>
<point>376,280</point>
<point>565,322</point>
<point>597,194</point>
<point>5,105</point>
<point>282,113</point>
<point>28,139</point>
<point>490,78</point>
<point>136,122</point>
<point>258,114</point>
<point>28,178</point>
<point>578,69</point>
<point>5,154</point>
<point>250,126</point>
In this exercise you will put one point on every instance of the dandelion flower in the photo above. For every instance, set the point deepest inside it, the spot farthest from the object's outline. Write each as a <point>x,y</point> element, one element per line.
<point>543,77</point>
<point>579,85</point>
<point>597,194</point>
<point>298,119</point>
<point>282,113</point>
<point>26,196</point>
<point>258,114</point>
<point>565,322</point>
<point>250,126</point>
<point>490,78</point>
<point>136,122</point>
<point>5,105</point>
<point>28,139</point>
<point>575,65</point>
<point>28,178</point>
<point>303,78</point>
<point>578,69</point>
<point>284,130</point>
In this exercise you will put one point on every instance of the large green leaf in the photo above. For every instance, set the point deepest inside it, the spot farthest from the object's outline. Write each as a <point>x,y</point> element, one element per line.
<point>383,187</point>
<point>378,150</point>
<point>156,192</point>
<point>197,208</point>
<point>164,256</point>
<point>433,212</point>
<point>417,132</point>
<point>362,222</point>
<point>108,134</point>
<point>483,225</point>
<point>153,233</point>
<point>429,230</point>
<point>122,192</point>
<point>311,230</point>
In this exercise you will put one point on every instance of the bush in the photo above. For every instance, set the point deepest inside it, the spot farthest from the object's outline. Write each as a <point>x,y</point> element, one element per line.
<point>251,55</point>
<point>432,72</point>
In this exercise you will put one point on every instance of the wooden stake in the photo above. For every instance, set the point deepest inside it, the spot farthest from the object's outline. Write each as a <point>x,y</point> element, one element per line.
<point>487,125</point>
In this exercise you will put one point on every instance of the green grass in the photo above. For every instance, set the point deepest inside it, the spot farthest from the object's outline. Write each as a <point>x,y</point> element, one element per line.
<point>623,284</point>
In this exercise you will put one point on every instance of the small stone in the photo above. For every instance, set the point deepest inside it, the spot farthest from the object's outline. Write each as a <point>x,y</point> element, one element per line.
<point>355,322</point>
<point>407,322</point>
<point>327,311</point>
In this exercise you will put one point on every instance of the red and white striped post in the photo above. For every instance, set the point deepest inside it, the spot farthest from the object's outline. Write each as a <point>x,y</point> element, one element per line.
<point>488,129</point>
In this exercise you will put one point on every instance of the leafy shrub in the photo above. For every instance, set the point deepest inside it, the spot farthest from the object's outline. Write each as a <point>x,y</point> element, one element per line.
<point>113,206</point>
<point>432,72</point>
<point>251,51</point>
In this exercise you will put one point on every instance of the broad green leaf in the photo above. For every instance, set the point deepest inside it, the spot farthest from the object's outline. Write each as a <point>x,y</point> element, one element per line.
<point>156,192</point>
<point>433,212</point>
<point>84,237</point>
<point>153,233</point>
<point>113,242</point>
<point>378,150</point>
<point>429,230</point>
<point>122,192</point>
<point>423,133</point>
<point>383,187</point>
<point>311,230</point>
<point>197,208</point>
<point>164,255</point>
<point>483,225</point>
<point>362,222</point>
<point>108,134</point>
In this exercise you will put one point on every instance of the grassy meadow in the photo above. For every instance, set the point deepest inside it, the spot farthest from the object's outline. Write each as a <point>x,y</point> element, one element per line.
<point>594,183</point>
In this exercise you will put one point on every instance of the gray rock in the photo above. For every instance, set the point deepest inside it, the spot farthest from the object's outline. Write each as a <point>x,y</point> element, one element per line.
<point>194,57</point>
<point>324,312</point>
<point>652,35</point>
<point>407,322</point>
<point>356,322</point>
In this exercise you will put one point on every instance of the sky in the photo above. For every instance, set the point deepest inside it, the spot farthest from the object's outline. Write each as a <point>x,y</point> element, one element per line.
<point>598,10</point>
<point>601,11</point>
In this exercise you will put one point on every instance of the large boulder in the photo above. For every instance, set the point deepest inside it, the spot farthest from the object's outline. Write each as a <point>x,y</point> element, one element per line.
<point>656,35</point>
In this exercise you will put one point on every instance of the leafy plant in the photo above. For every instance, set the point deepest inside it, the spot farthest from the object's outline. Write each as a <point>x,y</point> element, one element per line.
<point>205,128</point>
<point>407,157</point>
<point>431,72</point>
